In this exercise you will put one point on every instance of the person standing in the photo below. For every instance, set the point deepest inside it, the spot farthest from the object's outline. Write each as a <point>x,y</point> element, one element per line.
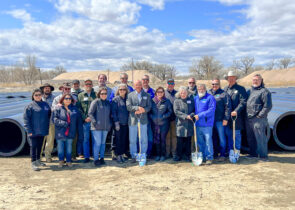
<point>205,106</point>
<point>184,109</point>
<point>171,136</point>
<point>160,114</point>
<point>102,81</point>
<point>84,100</point>
<point>138,104</point>
<point>36,123</point>
<point>192,87</point>
<point>68,123</point>
<point>76,90</point>
<point>238,96</point>
<point>48,97</point>
<point>100,115</point>
<point>120,117</point>
<point>146,87</point>
<point>259,105</point>
<point>222,116</point>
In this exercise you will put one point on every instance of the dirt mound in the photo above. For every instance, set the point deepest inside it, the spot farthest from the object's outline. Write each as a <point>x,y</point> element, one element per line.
<point>113,76</point>
<point>282,77</point>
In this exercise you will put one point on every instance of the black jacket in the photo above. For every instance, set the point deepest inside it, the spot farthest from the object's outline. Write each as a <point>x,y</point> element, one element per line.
<point>61,123</point>
<point>119,110</point>
<point>171,96</point>
<point>100,114</point>
<point>161,112</point>
<point>238,96</point>
<point>36,118</point>
<point>223,105</point>
<point>259,102</point>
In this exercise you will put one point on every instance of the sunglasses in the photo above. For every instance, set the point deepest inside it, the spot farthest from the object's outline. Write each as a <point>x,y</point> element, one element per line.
<point>37,95</point>
<point>191,83</point>
<point>88,84</point>
<point>216,84</point>
<point>67,88</point>
<point>170,83</point>
<point>103,94</point>
<point>122,90</point>
<point>68,98</point>
<point>146,79</point>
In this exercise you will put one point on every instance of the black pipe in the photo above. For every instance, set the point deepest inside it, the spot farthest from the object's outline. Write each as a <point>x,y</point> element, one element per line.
<point>13,137</point>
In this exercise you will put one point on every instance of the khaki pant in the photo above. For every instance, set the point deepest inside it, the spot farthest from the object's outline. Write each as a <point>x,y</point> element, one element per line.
<point>49,139</point>
<point>171,140</point>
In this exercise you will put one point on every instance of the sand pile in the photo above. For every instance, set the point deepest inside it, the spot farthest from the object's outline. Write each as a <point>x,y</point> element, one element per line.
<point>113,76</point>
<point>282,77</point>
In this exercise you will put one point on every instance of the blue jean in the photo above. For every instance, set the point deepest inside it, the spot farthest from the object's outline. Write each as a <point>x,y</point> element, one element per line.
<point>86,131</point>
<point>205,143</point>
<point>62,146</point>
<point>99,143</point>
<point>221,136</point>
<point>133,131</point>
<point>229,134</point>
<point>150,138</point>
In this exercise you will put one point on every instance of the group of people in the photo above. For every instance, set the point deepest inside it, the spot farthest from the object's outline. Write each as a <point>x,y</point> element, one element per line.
<point>164,117</point>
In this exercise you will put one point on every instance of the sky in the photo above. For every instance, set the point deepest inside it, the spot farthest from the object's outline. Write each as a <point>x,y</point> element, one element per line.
<point>100,34</point>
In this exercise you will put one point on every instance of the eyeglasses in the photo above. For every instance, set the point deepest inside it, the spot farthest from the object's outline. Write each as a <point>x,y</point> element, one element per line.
<point>145,79</point>
<point>88,84</point>
<point>37,95</point>
<point>68,98</point>
<point>103,94</point>
<point>160,92</point>
<point>122,90</point>
<point>191,83</point>
<point>123,78</point>
<point>170,83</point>
<point>216,84</point>
<point>67,88</point>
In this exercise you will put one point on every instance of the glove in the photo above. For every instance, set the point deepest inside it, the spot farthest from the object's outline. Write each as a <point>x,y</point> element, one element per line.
<point>117,126</point>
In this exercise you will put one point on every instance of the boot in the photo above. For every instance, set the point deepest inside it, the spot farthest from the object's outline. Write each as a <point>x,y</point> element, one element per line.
<point>34,166</point>
<point>39,163</point>
<point>60,164</point>
<point>102,162</point>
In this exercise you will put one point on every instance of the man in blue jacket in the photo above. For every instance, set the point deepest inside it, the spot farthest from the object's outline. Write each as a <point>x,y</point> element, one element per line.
<point>205,105</point>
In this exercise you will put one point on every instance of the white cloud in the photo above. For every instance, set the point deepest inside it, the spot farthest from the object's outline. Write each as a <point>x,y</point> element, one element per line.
<point>103,36</point>
<point>20,14</point>
<point>155,4</point>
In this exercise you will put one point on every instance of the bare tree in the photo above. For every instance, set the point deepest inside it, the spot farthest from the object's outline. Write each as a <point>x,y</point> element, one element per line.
<point>271,65</point>
<point>247,63</point>
<point>284,63</point>
<point>206,68</point>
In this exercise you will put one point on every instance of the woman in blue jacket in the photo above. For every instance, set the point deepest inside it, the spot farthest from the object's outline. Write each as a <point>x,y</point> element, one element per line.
<point>67,121</point>
<point>160,114</point>
<point>36,123</point>
<point>100,115</point>
<point>120,116</point>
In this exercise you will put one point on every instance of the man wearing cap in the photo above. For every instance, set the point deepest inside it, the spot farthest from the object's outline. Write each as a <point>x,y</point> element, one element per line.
<point>171,137</point>
<point>192,87</point>
<point>102,79</point>
<point>238,96</point>
<point>124,80</point>
<point>259,105</point>
<point>84,100</point>
<point>145,86</point>
<point>75,90</point>
<point>48,97</point>
<point>65,88</point>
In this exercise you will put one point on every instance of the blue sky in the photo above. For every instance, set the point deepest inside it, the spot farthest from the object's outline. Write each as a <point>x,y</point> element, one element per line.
<point>97,34</point>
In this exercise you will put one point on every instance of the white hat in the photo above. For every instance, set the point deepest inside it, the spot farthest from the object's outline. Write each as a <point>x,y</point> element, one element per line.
<point>230,74</point>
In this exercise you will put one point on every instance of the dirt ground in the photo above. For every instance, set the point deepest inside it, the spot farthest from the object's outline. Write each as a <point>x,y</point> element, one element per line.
<point>251,184</point>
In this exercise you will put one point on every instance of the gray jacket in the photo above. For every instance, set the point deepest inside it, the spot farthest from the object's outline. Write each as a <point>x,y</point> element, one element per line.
<point>100,115</point>
<point>183,108</point>
<point>133,103</point>
<point>259,102</point>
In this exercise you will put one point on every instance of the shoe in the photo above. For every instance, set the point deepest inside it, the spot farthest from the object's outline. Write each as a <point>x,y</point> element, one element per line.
<point>264,159</point>
<point>114,157</point>
<point>120,159</point>
<point>48,160</point>
<point>176,158</point>
<point>162,158</point>
<point>74,159</point>
<point>60,164</point>
<point>209,162</point>
<point>125,157</point>
<point>86,160</point>
<point>69,164</point>
<point>102,162</point>
<point>157,158</point>
<point>221,159</point>
<point>133,160</point>
<point>186,158</point>
<point>97,163</point>
<point>81,156</point>
<point>39,163</point>
<point>34,166</point>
